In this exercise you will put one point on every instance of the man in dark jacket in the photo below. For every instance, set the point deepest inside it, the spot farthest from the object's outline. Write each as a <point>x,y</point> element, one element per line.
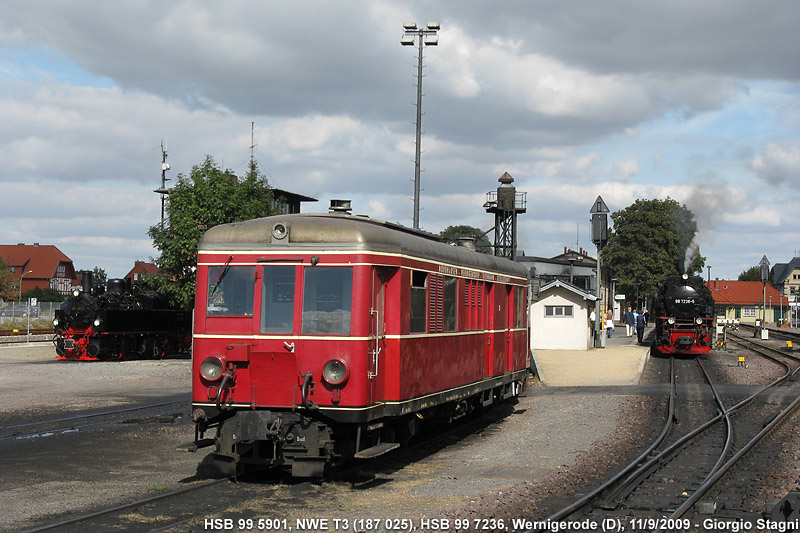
<point>640,324</point>
<point>629,323</point>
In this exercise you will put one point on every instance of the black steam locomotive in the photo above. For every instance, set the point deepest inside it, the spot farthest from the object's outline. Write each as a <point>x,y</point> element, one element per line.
<point>684,316</point>
<point>119,321</point>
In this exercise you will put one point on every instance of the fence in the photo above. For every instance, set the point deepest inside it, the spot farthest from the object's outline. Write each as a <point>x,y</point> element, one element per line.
<point>16,313</point>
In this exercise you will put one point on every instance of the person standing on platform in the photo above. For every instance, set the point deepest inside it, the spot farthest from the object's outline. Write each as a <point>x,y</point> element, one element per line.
<point>629,322</point>
<point>640,324</point>
<point>609,323</point>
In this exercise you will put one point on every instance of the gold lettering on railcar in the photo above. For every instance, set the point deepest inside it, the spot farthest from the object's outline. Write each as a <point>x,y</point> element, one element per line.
<point>473,274</point>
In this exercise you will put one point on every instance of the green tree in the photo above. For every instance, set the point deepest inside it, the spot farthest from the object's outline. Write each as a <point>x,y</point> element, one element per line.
<point>99,276</point>
<point>207,197</point>
<point>43,295</point>
<point>9,285</point>
<point>651,240</point>
<point>452,234</point>
<point>753,274</point>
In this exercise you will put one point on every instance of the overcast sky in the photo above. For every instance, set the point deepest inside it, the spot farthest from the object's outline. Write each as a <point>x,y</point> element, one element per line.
<point>696,101</point>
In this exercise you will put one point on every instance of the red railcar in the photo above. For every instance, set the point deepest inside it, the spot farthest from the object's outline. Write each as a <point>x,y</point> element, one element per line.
<point>319,338</point>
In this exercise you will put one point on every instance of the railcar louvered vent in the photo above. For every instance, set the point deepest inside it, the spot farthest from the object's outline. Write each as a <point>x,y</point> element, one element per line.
<point>436,288</point>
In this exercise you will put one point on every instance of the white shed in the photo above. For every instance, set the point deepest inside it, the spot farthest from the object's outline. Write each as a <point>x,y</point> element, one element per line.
<point>560,318</point>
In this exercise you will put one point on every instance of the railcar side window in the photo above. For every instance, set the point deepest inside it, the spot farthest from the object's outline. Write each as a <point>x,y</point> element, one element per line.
<point>450,292</point>
<point>419,296</point>
<point>230,290</point>
<point>327,297</point>
<point>277,299</point>
<point>520,305</point>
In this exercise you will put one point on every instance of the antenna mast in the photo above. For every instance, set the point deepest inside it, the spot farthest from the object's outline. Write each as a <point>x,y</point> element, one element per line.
<point>252,144</point>
<point>163,191</point>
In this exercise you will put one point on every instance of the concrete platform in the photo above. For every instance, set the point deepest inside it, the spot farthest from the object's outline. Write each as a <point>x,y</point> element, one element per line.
<point>620,363</point>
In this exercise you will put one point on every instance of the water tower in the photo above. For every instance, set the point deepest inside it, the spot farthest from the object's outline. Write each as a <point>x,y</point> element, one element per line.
<point>505,203</point>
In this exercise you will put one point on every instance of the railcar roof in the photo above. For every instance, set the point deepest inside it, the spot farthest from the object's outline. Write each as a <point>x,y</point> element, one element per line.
<point>347,232</point>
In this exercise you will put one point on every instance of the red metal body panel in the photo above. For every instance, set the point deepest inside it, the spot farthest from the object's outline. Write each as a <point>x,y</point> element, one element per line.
<point>269,373</point>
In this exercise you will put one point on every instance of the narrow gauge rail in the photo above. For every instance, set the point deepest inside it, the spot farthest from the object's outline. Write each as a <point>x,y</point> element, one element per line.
<point>646,464</point>
<point>23,332</point>
<point>782,334</point>
<point>634,488</point>
<point>175,509</point>
<point>71,422</point>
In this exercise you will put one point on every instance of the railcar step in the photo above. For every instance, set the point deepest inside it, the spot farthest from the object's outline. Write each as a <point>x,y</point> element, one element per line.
<point>377,450</point>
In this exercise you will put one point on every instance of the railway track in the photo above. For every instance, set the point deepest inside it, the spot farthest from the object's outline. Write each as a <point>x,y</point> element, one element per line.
<point>86,421</point>
<point>184,509</point>
<point>660,489</point>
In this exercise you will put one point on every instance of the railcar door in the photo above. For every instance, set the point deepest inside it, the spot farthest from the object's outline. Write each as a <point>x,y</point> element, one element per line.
<point>510,324</point>
<point>377,328</point>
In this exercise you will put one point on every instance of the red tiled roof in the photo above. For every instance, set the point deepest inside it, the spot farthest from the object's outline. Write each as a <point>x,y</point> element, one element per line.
<point>142,267</point>
<point>741,292</point>
<point>43,260</point>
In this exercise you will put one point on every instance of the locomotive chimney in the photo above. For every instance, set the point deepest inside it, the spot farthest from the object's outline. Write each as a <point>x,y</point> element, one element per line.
<point>340,207</point>
<point>86,281</point>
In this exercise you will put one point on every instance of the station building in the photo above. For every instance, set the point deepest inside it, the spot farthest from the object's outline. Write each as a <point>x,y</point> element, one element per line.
<point>744,300</point>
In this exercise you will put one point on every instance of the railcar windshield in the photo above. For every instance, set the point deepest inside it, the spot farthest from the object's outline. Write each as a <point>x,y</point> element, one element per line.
<point>277,299</point>
<point>230,290</point>
<point>327,298</point>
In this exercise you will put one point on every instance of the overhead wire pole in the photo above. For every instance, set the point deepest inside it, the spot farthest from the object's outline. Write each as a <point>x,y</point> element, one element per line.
<point>427,36</point>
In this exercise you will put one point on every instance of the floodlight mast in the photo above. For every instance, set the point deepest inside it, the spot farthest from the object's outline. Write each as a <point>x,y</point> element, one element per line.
<point>429,37</point>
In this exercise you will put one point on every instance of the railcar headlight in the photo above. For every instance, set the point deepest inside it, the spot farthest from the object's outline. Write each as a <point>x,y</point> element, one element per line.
<point>76,293</point>
<point>698,320</point>
<point>96,322</point>
<point>55,322</point>
<point>280,231</point>
<point>671,320</point>
<point>211,368</point>
<point>335,372</point>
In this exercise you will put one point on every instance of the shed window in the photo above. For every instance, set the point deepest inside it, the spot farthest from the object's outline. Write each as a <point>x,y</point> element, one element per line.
<point>558,311</point>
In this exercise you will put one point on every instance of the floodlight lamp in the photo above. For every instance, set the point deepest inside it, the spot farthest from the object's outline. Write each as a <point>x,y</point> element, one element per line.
<point>407,40</point>
<point>409,25</point>
<point>433,26</point>
<point>431,40</point>
<point>165,166</point>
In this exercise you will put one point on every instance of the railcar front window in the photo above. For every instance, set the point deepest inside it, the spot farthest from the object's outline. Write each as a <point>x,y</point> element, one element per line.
<point>327,296</point>
<point>277,299</point>
<point>230,290</point>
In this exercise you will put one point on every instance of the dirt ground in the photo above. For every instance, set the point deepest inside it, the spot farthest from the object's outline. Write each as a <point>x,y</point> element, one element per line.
<point>77,471</point>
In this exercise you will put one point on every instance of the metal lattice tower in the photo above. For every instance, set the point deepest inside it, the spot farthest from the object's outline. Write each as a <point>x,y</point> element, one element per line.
<point>506,203</point>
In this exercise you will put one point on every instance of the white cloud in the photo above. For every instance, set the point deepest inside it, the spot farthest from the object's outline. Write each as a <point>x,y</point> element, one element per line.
<point>625,168</point>
<point>779,163</point>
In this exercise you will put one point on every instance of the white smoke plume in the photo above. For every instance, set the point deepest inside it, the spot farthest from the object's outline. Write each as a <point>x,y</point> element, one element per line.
<point>688,259</point>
